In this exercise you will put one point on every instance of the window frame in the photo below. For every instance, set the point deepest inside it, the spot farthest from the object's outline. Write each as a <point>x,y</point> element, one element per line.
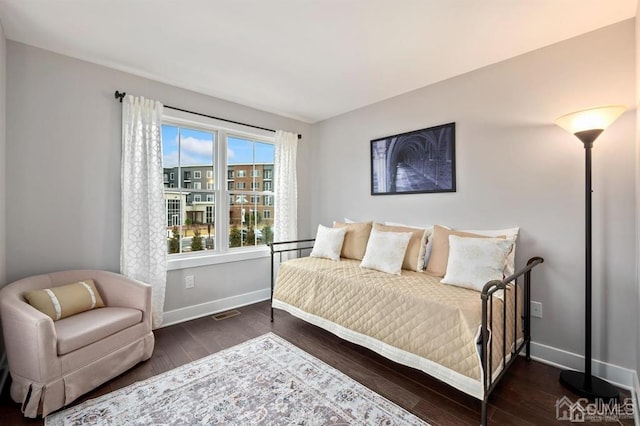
<point>222,253</point>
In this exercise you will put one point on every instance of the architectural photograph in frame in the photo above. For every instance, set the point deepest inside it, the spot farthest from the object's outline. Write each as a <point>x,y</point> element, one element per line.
<point>414,162</point>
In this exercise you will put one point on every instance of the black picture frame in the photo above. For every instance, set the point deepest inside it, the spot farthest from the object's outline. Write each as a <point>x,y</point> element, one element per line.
<point>416,162</point>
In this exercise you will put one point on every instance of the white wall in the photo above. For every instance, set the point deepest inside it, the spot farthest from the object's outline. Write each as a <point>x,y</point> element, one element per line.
<point>515,167</point>
<point>63,170</point>
<point>3,79</point>
<point>3,263</point>
<point>637,104</point>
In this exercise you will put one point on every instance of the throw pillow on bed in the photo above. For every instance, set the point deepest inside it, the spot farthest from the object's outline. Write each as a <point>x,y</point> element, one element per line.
<point>385,251</point>
<point>473,262</point>
<point>328,242</point>
<point>355,240</point>
<point>65,300</point>
<point>507,233</point>
<point>440,249</point>
<point>414,256</point>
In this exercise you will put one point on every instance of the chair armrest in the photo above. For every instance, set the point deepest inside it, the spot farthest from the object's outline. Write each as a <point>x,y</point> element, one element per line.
<point>30,340</point>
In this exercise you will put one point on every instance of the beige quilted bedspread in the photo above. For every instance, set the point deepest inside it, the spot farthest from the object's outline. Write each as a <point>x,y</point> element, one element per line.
<point>412,312</point>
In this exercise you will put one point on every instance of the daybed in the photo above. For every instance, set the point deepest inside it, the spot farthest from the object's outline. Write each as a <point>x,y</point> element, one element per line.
<point>447,331</point>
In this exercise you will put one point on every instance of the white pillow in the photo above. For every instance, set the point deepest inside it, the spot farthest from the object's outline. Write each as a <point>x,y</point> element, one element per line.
<point>385,251</point>
<point>510,234</point>
<point>475,261</point>
<point>328,242</point>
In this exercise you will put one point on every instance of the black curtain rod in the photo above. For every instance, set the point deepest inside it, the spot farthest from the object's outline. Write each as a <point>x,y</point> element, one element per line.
<point>120,96</point>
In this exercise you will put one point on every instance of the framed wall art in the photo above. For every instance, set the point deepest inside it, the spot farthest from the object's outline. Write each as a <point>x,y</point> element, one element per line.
<point>415,162</point>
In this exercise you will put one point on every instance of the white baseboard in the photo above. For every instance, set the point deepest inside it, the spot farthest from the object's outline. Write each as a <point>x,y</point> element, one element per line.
<point>209,308</point>
<point>614,374</point>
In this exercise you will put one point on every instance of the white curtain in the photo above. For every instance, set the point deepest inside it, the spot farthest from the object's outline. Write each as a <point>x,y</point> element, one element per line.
<point>143,249</point>
<point>286,187</point>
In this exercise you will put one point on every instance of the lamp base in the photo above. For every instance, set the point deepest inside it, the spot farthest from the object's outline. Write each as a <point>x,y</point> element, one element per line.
<point>577,382</point>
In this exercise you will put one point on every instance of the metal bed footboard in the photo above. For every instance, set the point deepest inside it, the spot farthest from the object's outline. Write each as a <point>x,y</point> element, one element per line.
<point>286,247</point>
<point>489,383</point>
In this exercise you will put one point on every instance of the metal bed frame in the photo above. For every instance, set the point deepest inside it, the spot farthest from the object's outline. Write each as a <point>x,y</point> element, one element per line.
<point>487,294</point>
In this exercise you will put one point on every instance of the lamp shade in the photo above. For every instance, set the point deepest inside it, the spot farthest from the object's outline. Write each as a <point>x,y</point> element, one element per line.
<point>590,119</point>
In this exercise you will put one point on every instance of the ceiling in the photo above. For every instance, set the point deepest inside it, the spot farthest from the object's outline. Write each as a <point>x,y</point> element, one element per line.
<point>305,59</point>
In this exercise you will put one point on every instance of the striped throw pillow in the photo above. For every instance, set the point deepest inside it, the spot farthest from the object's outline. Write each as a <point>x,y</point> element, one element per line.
<point>66,300</point>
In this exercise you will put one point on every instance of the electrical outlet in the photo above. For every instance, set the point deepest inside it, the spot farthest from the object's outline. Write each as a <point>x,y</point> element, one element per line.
<point>189,281</point>
<point>536,309</point>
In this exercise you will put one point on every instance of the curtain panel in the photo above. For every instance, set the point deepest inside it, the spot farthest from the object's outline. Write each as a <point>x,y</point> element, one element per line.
<point>143,252</point>
<point>285,187</point>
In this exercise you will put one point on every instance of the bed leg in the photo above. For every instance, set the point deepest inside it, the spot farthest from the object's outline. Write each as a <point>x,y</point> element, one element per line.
<point>272,314</point>
<point>483,416</point>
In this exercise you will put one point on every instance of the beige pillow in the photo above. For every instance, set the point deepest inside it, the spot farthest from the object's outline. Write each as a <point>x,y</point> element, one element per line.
<point>414,256</point>
<point>66,300</point>
<point>440,249</point>
<point>355,240</point>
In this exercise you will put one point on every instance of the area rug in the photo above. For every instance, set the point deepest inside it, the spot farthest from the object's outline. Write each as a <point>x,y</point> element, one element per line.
<point>265,380</point>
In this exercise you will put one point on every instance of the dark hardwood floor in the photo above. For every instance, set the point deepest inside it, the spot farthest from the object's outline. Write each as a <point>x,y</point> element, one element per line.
<point>526,396</point>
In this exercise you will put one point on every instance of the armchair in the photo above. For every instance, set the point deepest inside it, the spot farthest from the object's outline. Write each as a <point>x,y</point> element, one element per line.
<point>53,363</point>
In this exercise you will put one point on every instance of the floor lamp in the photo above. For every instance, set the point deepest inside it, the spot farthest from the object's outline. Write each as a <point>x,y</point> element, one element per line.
<point>587,125</point>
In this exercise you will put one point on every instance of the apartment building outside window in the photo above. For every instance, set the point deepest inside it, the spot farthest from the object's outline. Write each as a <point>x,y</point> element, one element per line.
<point>193,221</point>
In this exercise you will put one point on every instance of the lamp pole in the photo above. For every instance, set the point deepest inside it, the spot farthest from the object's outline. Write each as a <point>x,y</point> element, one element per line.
<point>587,125</point>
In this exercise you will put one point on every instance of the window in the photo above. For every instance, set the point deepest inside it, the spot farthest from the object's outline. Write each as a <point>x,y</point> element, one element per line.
<point>268,174</point>
<point>268,200</point>
<point>268,186</point>
<point>182,148</point>
<point>193,222</point>
<point>246,218</point>
<point>173,213</point>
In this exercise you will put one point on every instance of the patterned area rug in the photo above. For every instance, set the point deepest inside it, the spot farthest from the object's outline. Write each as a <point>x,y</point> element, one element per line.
<point>262,381</point>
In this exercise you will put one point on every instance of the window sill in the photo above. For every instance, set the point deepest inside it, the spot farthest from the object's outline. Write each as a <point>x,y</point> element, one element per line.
<point>188,260</point>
